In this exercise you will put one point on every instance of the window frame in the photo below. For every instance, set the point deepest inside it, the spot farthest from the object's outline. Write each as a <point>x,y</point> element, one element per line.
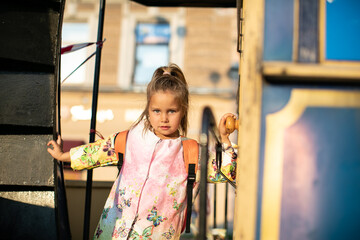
<point>137,44</point>
<point>176,20</point>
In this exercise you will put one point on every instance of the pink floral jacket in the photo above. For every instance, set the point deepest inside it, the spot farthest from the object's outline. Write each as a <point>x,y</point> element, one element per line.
<point>148,199</point>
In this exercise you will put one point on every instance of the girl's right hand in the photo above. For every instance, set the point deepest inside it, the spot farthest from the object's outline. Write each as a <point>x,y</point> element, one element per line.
<point>224,134</point>
<point>57,152</point>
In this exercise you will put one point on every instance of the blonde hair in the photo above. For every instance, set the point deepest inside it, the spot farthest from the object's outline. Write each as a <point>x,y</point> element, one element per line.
<point>168,78</point>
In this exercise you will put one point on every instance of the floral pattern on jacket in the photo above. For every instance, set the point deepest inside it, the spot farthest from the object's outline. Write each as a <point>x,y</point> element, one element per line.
<point>148,198</point>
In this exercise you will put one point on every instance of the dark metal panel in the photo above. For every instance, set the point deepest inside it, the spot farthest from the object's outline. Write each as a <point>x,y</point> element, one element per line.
<point>27,99</point>
<point>25,160</point>
<point>189,3</point>
<point>30,206</point>
<point>29,34</point>
<point>308,31</point>
<point>27,215</point>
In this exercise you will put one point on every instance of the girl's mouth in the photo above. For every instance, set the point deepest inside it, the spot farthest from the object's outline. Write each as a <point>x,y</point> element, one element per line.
<point>164,127</point>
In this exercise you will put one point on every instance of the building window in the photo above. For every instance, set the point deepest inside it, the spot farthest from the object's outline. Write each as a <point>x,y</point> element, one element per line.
<point>73,33</point>
<point>151,50</point>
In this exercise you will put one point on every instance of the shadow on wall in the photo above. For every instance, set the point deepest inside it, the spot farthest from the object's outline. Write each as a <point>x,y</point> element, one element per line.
<point>35,222</point>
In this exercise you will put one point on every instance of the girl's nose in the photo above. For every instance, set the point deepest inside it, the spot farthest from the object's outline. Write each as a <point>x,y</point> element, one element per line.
<point>164,117</point>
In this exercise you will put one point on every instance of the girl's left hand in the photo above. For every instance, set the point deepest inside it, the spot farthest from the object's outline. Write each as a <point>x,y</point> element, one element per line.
<point>57,150</point>
<point>222,128</point>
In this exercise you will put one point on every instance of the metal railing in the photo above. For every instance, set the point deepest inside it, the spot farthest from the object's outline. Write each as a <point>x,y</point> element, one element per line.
<point>209,129</point>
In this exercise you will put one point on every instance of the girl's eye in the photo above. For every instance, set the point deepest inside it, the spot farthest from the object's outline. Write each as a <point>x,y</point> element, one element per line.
<point>156,111</point>
<point>172,111</point>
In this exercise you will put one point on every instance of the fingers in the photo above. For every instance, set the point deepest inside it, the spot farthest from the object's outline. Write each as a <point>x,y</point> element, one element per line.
<point>52,142</point>
<point>223,127</point>
<point>229,115</point>
<point>52,152</point>
<point>59,140</point>
<point>55,148</point>
<point>224,117</point>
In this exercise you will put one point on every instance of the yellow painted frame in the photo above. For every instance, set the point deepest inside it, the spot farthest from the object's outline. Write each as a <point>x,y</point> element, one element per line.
<point>250,96</point>
<point>276,125</point>
<point>325,70</point>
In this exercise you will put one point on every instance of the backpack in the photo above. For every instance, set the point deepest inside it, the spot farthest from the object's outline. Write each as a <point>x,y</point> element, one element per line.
<point>191,157</point>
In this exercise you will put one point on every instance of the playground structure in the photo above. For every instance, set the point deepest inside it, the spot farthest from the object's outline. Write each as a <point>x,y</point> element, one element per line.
<point>298,138</point>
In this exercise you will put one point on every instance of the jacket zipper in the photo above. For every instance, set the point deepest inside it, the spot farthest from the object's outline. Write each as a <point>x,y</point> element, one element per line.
<point>142,188</point>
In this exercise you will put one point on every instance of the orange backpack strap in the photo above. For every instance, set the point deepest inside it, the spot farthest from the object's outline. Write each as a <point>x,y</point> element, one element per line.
<point>120,147</point>
<point>191,157</point>
<point>191,153</point>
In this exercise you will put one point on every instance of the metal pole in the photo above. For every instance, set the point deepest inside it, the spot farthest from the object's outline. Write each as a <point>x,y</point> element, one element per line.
<point>63,225</point>
<point>226,207</point>
<point>208,122</point>
<point>60,195</point>
<point>93,118</point>
<point>208,126</point>
<point>215,193</point>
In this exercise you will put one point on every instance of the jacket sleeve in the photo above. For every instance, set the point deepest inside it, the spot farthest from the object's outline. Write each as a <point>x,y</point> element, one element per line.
<point>96,154</point>
<point>228,167</point>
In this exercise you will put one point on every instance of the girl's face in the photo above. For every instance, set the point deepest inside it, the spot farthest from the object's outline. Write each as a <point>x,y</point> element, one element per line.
<point>165,114</point>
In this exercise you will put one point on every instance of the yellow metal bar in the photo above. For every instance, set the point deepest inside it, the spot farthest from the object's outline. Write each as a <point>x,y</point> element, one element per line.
<point>249,114</point>
<point>345,71</point>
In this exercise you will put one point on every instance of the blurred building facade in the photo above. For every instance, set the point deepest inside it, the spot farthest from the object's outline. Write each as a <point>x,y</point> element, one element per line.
<point>202,41</point>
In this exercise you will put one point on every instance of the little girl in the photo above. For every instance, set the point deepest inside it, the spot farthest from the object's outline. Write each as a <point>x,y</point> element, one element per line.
<point>148,199</point>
